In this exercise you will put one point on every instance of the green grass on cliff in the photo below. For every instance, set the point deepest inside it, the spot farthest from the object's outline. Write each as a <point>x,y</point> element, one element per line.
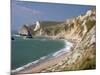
<point>90,24</point>
<point>49,27</point>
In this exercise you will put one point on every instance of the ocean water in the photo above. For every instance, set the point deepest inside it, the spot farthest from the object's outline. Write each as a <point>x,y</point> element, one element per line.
<point>24,51</point>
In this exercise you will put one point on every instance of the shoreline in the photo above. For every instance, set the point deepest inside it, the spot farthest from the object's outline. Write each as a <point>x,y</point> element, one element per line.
<point>43,63</point>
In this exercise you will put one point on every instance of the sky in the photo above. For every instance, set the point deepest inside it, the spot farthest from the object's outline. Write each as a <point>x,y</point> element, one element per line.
<point>28,12</point>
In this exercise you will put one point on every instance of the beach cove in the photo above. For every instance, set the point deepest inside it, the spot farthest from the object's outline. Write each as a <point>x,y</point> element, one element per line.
<point>66,46</point>
<point>80,53</point>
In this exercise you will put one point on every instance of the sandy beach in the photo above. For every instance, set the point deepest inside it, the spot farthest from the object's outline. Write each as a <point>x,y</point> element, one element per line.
<point>48,62</point>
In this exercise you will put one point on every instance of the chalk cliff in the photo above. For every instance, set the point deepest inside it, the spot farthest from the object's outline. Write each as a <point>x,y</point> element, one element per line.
<point>83,57</point>
<point>25,31</point>
<point>74,28</point>
<point>80,29</point>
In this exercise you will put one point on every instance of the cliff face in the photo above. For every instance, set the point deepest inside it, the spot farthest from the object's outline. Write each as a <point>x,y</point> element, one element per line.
<point>74,28</point>
<point>25,31</point>
<point>83,56</point>
<point>77,27</point>
<point>80,29</point>
<point>46,28</point>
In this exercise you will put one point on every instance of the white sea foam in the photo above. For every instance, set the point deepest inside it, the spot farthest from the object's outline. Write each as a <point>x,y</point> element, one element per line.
<point>25,66</point>
<point>43,57</point>
<point>67,48</point>
<point>43,39</point>
<point>56,53</point>
<point>18,69</point>
<point>28,65</point>
<point>35,61</point>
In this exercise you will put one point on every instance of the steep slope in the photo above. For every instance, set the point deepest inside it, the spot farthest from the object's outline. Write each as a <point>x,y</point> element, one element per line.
<point>77,27</point>
<point>74,28</point>
<point>82,57</point>
<point>25,31</point>
<point>81,30</point>
<point>46,28</point>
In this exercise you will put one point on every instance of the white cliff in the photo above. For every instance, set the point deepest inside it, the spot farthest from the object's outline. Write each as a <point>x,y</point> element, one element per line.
<point>37,26</point>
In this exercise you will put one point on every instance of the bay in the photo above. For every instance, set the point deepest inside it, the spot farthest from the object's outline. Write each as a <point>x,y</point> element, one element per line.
<point>28,50</point>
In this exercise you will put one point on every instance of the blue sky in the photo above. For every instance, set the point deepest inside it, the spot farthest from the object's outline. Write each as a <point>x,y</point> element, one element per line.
<point>28,12</point>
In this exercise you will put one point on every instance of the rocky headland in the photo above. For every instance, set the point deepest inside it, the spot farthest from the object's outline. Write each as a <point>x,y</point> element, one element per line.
<point>81,30</point>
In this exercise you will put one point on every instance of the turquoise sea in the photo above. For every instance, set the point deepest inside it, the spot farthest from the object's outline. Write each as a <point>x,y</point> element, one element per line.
<point>24,51</point>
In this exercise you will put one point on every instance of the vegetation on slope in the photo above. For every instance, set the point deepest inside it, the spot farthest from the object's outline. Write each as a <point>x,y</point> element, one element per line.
<point>82,29</point>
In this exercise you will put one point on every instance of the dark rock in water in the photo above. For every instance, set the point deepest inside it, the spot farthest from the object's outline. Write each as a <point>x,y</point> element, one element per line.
<point>29,36</point>
<point>12,38</point>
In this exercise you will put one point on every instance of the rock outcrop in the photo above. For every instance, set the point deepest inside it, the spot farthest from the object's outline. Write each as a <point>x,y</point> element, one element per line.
<point>25,31</point>
<point>80,29</point>
<point>83,57</point>
<point>74,28</point>
<point>37,27</point>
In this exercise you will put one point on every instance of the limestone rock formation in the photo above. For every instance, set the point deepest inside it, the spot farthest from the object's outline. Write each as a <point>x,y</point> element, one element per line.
<point>71,28</point>
<point>37,26</point>
<point>25,31</point>
<point>80,29</point>
<point>83,56</point>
